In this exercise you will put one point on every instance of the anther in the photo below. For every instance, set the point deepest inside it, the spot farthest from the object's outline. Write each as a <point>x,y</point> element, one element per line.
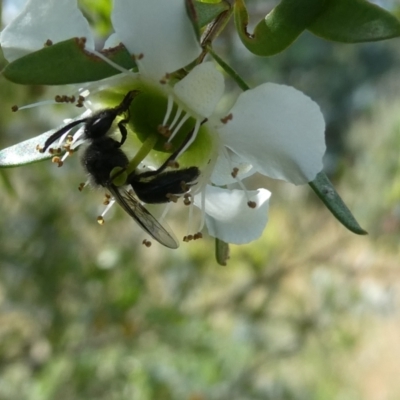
<point>165,79</point>
<point>57,160</point>
<point>146,242</point>
<point>48,43</point>
<point>82,186</point>
<point>235,172</point>
<point>197,235</point>
<point>189,238</point>
<point>252,204</point>
<point>100,220</point>
<point>164,130</point>
<point>185,187</point>
<point>138,56</point>
<point>167,146</point>
<point>106,200</point>
<point>172,197</point>
<point>14,108</point>
<point>81,42</point>
<point>52,150</point>
<point>173,164</point>
<point>225,120</point>
<point>58,99</point>
<point>187,199</point>
<point>79,102</point>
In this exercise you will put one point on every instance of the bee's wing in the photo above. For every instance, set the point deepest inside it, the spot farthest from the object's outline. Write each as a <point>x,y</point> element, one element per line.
<point>132,206</point>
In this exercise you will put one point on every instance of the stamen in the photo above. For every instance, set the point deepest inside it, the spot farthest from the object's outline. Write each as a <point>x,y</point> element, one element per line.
<point>57,160</point>
<point>234,175</point>
<point>179,126</point>
<point>190,222</point>
<point>165,212</point>
<point>39,103</point>
<point>83,185</point>
<point>177,116</point>
<point>225,120</point>
<point>169,109</point>
<point>191,139</point>
<point>112,63</point>
<point>100,219</point>
<point>146,242</point>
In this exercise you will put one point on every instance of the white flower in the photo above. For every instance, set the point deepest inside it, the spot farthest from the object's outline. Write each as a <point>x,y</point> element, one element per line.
<point>272,129</point>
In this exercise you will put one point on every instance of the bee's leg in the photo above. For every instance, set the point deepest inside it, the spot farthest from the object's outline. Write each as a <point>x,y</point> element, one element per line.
<point>122,129</point>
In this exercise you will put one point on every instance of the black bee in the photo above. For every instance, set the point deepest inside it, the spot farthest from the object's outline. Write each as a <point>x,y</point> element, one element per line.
<point>104,154</point>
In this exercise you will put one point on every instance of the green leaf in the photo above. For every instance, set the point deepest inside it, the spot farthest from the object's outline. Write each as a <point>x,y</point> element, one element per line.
<point>64,63</point>
<point>280,27</point>
<point>221,252</point>
<point>327,193</point>
<point>207,12</point>
<point>26,152</point>
<point>352,21</point>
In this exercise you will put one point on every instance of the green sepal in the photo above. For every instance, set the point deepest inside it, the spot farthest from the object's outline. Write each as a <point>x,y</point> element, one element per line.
<point>280,27</point>
<point>27,152</point>
<point>193,16</point>
<point>221,252</point>
<point>207,12</point>
<point>327,193</point>
<point>65,63</point>
<point>352,21</point>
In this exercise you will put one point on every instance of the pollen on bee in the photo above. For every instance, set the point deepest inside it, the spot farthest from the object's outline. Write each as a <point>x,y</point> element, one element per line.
<point>146,242</point>
<point>57,160</point>
<point>14,108</point>
<point>234,172</point>
<point>225,120</point>
<point>252,204</point>
<point>100,220</point>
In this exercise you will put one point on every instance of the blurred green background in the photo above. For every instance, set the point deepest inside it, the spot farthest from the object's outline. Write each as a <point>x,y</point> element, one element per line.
<point>308,311</point>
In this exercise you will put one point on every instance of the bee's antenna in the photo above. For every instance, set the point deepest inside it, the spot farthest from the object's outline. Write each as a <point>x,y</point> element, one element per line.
<point>59,133</point>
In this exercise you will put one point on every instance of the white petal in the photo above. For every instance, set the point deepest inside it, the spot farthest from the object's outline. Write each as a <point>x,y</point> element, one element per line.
<point>201,89</point>
<point>158,29</point>
<point>39,21</point>
<point>229,218</point>
<point>279,130</point>
<point>112,41</point>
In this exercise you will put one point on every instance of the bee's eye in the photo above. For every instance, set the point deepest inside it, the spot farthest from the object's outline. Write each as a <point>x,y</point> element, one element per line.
<point>99,125</point>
